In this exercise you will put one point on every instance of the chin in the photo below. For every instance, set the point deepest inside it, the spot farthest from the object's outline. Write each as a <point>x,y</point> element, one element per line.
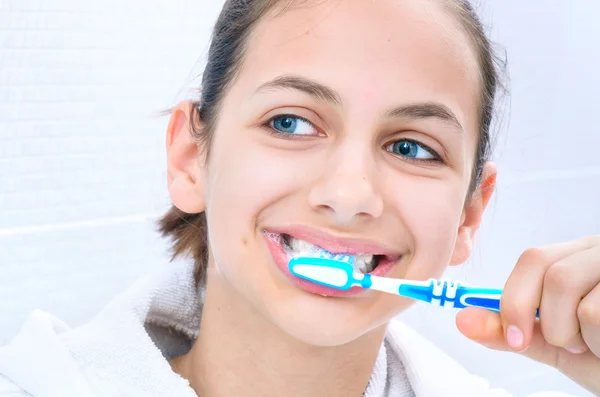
<point>324,335</point>
<point>326,322</point>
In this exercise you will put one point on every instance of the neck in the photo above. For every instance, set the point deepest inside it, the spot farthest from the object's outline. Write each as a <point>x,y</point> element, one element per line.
<point>239,352</point>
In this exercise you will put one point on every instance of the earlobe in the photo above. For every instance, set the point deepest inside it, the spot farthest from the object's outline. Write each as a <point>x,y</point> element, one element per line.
<point>185,168</point>
<point>473,215</point>
<point>463,246</point>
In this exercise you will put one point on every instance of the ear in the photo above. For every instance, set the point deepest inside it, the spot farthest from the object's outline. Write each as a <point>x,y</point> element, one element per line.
<point>185,167</point>
<point>473,214</point>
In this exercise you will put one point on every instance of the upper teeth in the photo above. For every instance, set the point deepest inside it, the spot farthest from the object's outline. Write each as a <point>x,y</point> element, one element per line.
<point>301,245</point>
<point>362,263</point>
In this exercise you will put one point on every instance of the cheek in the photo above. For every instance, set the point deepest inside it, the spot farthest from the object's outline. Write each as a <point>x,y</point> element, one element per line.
<point>245,179</point>
<point>431,212</point>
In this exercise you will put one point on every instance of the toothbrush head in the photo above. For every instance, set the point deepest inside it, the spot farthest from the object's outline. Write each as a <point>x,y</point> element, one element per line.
<point>329,270</point>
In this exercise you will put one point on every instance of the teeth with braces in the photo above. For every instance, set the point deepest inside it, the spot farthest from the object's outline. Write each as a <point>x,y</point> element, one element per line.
<point>297,247</point>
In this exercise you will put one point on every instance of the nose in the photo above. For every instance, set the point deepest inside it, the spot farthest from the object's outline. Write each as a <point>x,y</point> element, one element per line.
<point>346,192</point>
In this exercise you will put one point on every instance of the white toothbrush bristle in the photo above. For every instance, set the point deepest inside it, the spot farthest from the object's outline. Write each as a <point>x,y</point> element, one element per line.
<point>297,248</point>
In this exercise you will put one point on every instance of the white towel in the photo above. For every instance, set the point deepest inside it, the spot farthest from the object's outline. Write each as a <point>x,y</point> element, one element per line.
<point>123,351</point>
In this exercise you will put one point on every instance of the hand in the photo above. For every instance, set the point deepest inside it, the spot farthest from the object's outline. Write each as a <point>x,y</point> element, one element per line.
<point>563,280</point>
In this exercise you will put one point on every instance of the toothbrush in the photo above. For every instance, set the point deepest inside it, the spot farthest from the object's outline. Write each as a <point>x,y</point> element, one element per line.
<point>336,271</point>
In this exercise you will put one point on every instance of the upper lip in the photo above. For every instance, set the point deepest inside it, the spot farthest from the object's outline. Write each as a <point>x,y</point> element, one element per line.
<point>337,244</point>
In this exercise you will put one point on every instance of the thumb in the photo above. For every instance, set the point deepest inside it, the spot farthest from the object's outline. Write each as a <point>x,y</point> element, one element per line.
<point>485,327</point>
<point>482,326</point>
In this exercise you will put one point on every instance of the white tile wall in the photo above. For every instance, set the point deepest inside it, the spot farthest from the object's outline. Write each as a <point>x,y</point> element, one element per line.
<point>81,152</point>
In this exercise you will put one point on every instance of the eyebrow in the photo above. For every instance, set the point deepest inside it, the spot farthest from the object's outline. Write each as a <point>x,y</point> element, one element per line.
<point>316,90</point>
<point>320,92</point>
<point>425,110</point>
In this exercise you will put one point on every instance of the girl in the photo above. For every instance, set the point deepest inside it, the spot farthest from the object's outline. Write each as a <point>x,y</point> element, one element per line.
<point>360,127</point>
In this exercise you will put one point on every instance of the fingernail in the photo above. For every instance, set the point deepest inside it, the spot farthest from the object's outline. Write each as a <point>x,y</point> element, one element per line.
<point>514,337</point>
<point>575,350</point>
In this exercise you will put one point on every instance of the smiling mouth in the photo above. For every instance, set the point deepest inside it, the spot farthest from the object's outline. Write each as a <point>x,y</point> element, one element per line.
<point>295,247</point>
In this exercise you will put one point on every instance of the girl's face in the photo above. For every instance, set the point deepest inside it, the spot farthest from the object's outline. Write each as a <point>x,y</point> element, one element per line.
<point>351,126</point>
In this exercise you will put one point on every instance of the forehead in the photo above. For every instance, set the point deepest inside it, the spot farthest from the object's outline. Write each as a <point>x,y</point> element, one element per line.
<point>374,53</point>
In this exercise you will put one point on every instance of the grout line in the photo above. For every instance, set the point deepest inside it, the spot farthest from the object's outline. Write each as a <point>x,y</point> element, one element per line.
<point>77,225</point>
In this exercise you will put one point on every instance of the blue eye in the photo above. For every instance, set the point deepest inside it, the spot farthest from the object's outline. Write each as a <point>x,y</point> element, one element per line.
<point>292,125</point>
<point>412,150</point>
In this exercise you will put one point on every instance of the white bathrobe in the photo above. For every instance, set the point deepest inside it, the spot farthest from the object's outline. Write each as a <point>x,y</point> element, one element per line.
<point>123,351</point>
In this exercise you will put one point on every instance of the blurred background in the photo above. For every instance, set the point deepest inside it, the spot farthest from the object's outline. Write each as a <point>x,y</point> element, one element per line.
<point>82,175</point>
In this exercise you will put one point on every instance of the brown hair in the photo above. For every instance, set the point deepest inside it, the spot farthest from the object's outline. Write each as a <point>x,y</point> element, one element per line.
<point>226,53</point>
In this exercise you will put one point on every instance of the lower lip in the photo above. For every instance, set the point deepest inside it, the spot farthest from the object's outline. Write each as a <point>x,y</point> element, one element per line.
<point>274,243</point>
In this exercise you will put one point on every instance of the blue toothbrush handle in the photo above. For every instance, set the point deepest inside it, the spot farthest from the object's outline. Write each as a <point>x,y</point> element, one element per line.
<point>484,298</point>
<point>453,295</point>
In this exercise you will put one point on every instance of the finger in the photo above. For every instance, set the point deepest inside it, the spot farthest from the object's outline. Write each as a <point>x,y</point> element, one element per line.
<point>565,284</point>
<point>588,314</point>
<point>523,291</point>
<point>558,251</point>
<point>581,368</point>
<point>521,297</point>
<point>485,328</point>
